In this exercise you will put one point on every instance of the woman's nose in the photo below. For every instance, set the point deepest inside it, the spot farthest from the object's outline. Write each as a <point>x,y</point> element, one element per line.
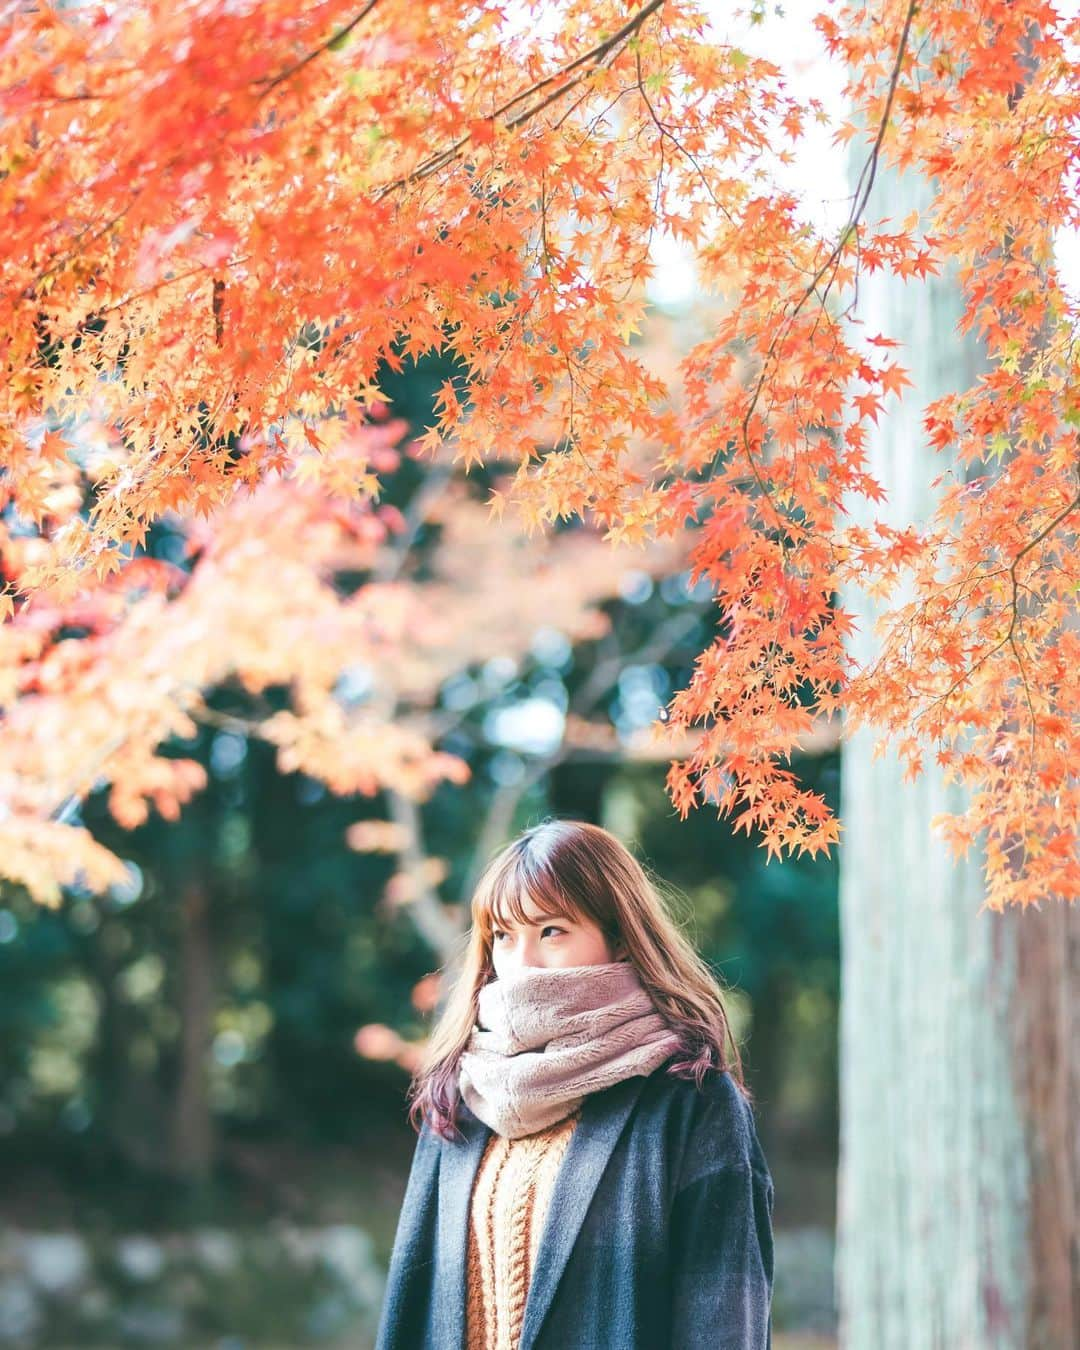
<point>522,957</point>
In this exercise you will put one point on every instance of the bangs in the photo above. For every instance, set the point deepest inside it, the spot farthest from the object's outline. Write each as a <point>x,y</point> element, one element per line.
<point>502,901</point>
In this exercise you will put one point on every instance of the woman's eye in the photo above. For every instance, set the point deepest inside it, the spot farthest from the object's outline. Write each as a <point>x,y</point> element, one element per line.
<point>497,933</point>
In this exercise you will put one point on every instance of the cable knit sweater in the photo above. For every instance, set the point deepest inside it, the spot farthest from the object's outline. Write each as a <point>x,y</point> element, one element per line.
<point>506,1217</point>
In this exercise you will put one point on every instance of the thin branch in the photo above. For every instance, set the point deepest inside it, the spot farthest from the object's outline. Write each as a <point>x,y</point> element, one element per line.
<point>1009,638</point>
<point>80,243</point>
<point>394,557</point>
<point>593,57</point>
<point>596,55</point>
<point>272,81</point>
<point>861,195</point>
<point>439,926</point>
<point>601,679</point>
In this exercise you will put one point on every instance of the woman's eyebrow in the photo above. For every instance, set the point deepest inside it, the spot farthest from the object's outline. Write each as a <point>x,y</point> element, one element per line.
<point>533,923</point>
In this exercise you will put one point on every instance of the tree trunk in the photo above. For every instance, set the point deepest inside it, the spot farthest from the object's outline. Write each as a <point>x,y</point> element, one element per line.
<point>960,1059</point>
<point>111,1064</point>
<point>191,1143</point>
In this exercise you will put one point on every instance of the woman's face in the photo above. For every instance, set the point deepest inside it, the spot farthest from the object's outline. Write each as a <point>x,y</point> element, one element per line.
<point>549,942</point>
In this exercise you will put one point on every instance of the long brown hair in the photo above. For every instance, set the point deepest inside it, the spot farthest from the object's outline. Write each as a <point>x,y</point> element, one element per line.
<point>583,871</point>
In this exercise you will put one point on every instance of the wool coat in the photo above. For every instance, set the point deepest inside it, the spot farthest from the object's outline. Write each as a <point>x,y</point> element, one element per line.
<point>658,1234</point>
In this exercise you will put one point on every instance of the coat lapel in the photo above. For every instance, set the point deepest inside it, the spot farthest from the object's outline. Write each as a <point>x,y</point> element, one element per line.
<point>603,1116</point>
<point>458,1166</point>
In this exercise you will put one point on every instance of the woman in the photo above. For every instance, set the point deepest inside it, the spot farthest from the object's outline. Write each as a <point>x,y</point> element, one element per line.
<point>587,1174</point>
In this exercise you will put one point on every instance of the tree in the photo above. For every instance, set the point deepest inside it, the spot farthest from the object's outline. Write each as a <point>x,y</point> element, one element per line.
<point>367,649</point>
<point>223,220</point>
<point>959,1182</point>
<point>267,598</point>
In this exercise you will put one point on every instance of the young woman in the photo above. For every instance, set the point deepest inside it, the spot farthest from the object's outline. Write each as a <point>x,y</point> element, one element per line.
<point>587,1174</point>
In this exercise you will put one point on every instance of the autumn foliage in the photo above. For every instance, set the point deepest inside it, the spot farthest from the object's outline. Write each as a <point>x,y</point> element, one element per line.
<point>221,221</point>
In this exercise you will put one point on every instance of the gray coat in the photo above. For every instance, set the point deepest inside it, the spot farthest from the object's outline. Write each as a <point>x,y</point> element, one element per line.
<point>658,1235</point>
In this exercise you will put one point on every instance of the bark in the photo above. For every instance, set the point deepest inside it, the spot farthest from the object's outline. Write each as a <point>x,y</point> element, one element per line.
<point>960,1060</point>
<point>1046,1034</point>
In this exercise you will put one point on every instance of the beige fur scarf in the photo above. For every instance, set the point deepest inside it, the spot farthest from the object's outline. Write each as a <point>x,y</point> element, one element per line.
<point>545,1039</point>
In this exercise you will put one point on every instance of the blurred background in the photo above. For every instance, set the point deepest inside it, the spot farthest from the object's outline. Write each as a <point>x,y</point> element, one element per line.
<point>203,1071</point>
<point>202,1092</point>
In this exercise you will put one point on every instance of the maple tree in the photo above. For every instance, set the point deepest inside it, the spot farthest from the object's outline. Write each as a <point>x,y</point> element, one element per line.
<point>224,220</point>
<point>260,600</point>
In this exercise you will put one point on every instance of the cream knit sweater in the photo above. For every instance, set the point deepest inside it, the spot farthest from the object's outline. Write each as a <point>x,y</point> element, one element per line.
<point>506,1217</point>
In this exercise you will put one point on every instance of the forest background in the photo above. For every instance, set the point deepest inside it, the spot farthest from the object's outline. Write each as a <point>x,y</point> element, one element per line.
<point>250,779</point>
<point>219,1045</point>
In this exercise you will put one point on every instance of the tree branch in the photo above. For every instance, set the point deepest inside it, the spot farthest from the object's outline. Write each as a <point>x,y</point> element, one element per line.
<point>591,58</point>
<point>272,81</point>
